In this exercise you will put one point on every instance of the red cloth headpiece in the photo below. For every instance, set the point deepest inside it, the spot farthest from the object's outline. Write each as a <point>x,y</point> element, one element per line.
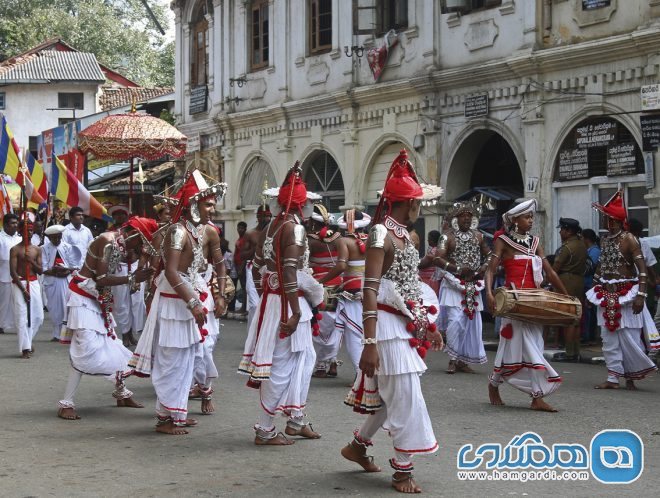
<point>614,208</point>
<point>401,183</point>
<point>146,226</point>
<point>293,192</point>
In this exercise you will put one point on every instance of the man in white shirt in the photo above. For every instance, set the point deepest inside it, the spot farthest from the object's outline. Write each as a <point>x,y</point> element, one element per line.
<point>77,234</point>
<point>59,260</point>
<point>8,239</point>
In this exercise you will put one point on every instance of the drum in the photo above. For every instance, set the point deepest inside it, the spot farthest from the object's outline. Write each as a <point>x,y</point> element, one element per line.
<point>330,298</point>
<point>537,306</point>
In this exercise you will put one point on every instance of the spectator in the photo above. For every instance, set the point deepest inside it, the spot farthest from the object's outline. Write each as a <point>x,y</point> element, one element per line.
<point>427,273</point>
<point>239,263</point>
<point>592,243</point>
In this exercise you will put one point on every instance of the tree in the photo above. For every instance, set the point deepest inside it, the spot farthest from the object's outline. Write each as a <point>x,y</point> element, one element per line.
<point>119,32</point>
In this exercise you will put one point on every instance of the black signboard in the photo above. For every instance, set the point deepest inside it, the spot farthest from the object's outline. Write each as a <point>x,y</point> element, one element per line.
<point>198,99</point>
<point>573,164</point>
<point>621,160</point>
<point>595,4</point>
<point>650,124</point>
<point>476,106</point>
<point>600,134</point>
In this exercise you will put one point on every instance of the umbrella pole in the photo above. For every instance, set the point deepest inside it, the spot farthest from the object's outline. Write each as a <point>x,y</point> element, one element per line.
<point>130,190</point>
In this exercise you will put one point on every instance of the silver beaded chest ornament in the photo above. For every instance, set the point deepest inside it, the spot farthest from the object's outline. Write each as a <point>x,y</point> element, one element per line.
<point>468,254</point>
<point>403,273</point>
<point>611,259</point>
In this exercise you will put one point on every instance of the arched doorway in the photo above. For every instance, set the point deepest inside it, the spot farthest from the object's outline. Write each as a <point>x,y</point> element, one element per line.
<point>258,176</point>
<point>485,166</point>
<point>322,175</point>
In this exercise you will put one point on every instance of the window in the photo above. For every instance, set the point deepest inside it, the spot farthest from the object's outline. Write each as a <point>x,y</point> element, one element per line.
<point>199,59</point>
<point>392,14</point>
<point>2,100</point>
<point>323,177</point>
<point>70,101</point>
<point>465,6</point>
<point>320,25</point>
<point>259,34</point>
<point>33,145</point>
<point>63,121</point>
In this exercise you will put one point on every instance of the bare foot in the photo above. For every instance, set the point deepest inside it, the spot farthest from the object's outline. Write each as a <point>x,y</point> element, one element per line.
<point>207,406</point>
<point>195,393</point>
<point>32,350</point>
<point>359,455</point>
<point>465,368</point>
<point>332,371</point>
<point>279,440</point>
<point>607,385</point>
<point>25,354</point>
<point>451,368</point>
<point>129,403</point>
<point>320,373</point>
<point>306,432</point>
<point>191,422</point>
<point>494,395</point>
<point>403,482</point>
<point>68,414</point>
<point>539,405</point>
<point>54,339</point>
<point>170,428</point>
<point>630,385</point>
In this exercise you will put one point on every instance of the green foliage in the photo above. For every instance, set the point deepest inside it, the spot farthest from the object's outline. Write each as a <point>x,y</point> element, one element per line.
<point>166,115</point>
<point>119,32</point>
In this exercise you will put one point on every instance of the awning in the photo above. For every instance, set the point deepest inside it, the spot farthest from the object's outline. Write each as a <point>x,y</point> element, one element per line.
<point>496,193</point>
<point>153,176</point>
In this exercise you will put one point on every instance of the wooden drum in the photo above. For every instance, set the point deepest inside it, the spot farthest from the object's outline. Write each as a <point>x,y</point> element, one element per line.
<point>537,306</point>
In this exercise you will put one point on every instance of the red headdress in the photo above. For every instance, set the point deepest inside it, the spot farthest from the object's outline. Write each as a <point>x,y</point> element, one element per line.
<point>194,189</point>
<point>401,184</point>
<point>146,226</point>
<point>293,192</point>
<point>615,208</point>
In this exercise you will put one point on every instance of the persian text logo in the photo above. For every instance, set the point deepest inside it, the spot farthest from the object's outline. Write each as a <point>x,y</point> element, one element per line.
<point>617,456</point>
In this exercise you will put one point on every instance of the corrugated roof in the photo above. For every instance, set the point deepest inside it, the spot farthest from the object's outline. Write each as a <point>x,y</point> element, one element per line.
<point>52,65</point>
<point>113,97</point>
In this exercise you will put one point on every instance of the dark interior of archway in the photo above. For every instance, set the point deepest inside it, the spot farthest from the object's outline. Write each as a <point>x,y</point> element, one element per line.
<point>497,166</point>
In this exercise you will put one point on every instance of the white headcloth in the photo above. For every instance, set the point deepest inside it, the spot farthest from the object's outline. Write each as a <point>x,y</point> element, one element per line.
<point>528,206</point>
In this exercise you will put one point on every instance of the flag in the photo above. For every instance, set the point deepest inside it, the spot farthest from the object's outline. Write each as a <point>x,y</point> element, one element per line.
<point>38,175</point>
<point>65,186</point>
<point>11,165</point>
<point>5,201</point>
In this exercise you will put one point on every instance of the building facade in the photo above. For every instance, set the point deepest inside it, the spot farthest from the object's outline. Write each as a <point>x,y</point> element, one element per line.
<point>497,98</point>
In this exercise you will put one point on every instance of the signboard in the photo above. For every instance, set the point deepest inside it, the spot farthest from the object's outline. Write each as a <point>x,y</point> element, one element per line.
<point>198,99</point>
<point>649,170</point>
<point>573,164</point>
<point>650,97</point>
<point>650,125</point>
<point>599,134</point>
<point>476,106</point>
<point>621,160</point>
<point>595,4</point>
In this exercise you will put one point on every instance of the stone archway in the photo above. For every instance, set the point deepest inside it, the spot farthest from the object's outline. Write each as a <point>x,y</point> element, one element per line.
<point>257,177</point>
<point>323,176</point>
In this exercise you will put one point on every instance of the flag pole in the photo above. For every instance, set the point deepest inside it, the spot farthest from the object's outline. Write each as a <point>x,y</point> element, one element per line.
<point>26,242</point>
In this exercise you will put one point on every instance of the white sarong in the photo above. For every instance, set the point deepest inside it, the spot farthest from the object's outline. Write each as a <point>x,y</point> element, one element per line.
<point>349,323</point>
<point>6,306</point>
<point>25,333</point>
<point>56,290</point>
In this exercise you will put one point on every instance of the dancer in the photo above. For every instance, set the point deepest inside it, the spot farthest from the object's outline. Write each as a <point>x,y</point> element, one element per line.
<point>24,266</point>
<point>519,359</point>
<point>460,254</point>
<point>251,239</point>
<point>8,239</point>
<point>349,305</point>
<point>176,325</point>
<point>398,331</point>
<point>279,355</point>
<point>328,254</point>
<point>59,260</point>
<point>619,295</point>
<point>94,348</point>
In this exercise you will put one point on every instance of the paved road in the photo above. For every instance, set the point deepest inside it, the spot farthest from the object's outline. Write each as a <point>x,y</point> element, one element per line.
<point>115,451</point>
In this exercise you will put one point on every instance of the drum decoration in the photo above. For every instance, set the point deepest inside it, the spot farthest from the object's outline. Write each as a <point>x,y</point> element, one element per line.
<point>537,306</point>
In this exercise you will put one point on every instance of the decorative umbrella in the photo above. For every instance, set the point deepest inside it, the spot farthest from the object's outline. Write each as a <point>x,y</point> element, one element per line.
<point>126,136</point>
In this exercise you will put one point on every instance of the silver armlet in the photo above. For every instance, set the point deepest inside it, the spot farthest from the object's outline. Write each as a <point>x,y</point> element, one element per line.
<point>99,277</point>
<point>447,265</point>
<point>377,236</point>
<point>366,314</point>
<point>366,287</point>
<point>299,235</point>
<point>371,279</point>
<point>177,237</point>
<point>106,253</point>
<point>639,256</point>
<point>341,260</point>
<point>369,340</point>
<point>194,302</point>
<point>642,274</point>
<point>442,243</point>
<point>177,285</point>
<point>643,294</point>
<point>257,266</point>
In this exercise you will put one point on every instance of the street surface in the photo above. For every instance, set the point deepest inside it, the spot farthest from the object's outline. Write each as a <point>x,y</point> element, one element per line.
<point>115,451</point>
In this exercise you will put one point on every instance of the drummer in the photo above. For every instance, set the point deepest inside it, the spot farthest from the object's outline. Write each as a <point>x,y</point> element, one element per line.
<point>328,256</point>
<point>519,359</point>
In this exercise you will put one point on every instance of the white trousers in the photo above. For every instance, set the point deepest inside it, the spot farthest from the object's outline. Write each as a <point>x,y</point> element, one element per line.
<point>25,333</point>
<point>625,355</point>
<point>172,376</point>
<point>464,340</point>
<point>56,291</point>
<point>6,307</point>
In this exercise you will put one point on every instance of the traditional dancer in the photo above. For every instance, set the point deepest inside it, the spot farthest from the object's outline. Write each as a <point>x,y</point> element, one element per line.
<point>251,239</point>
<point>176,324</point>
<point>8,239</point>
<point>77,234</point>
<point>279,355</point>
<point>94,348</point>
<point>519,359</point>
<point>398,324</point>
<point>619,294</point>
<point>460,254</point>
<point>59,260</point>
<point>24,266</point>
<point>349,305</point>
<point>325,246</point>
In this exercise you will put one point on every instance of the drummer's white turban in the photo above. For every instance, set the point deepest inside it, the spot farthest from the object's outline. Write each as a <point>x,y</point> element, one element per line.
<point>54,230</point>
<point>525,207</point>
